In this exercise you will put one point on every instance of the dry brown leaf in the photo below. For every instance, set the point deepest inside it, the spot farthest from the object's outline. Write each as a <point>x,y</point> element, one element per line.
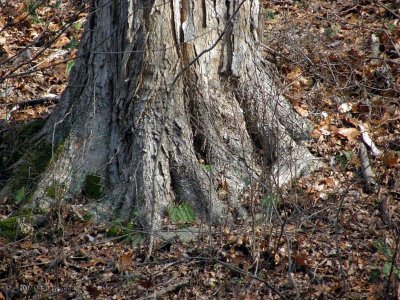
<point>21,17</point>
<point>349,133</point>
<point>302,112</point>
<point>96,261</point>
<point>61,42</point>
<point>294,74</point>
<point>331,182</point>
<point>125,261</point>
<point>390,159</point>
<point>300,259</point>
<point>93,291</point>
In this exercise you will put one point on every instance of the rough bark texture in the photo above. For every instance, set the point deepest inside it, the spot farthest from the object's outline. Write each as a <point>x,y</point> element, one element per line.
<point>171,101</point>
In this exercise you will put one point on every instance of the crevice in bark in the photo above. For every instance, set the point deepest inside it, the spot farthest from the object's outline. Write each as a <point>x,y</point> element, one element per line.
<point>187,189</point>
<point>204,13</point>
<point>226,68</point>
<point>147,7</point>
<point>173,28</point>
<point>199,139</point>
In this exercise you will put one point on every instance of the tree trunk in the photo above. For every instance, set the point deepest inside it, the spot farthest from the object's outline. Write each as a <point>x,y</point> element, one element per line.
<point>171,101</point>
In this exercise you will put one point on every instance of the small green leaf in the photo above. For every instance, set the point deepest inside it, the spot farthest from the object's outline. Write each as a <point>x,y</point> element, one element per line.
<point>269,14</point>
<point>77,25</point>
<point>69,66</point>
<point>73,43</point>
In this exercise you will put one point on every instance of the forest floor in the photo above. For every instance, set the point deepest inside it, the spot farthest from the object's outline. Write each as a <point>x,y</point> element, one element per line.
<point>333,235</point>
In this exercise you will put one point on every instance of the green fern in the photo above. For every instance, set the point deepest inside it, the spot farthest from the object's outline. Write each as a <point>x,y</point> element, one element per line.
<point>181,214</point>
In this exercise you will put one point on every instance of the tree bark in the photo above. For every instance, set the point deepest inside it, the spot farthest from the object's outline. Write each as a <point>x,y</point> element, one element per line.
<point>171,101</point>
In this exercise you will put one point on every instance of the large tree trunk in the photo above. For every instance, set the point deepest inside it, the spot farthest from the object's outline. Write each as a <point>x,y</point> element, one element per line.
<point>171,101</point>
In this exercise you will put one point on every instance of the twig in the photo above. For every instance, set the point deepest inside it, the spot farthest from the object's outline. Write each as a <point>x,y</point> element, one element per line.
<point>240,271</point>
<point>387,9</point>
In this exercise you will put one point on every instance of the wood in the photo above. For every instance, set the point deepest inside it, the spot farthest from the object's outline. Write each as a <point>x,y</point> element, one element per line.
<point>166,100</point>
<point>369,176</point>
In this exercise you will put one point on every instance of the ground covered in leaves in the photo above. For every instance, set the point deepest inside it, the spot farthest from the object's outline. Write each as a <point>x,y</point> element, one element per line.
<point>333,235</point>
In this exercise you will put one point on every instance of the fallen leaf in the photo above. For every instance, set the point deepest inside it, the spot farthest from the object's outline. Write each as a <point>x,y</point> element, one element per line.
<point>349,133</point>
<point>93,291</point>
<point>302,112</point>
<point>345,107</point>
<point>61,42</point>
<point>390,159</point>
<point>125,261</point>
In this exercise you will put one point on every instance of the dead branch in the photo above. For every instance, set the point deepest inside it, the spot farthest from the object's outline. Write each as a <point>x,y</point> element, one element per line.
<point>369,176</point>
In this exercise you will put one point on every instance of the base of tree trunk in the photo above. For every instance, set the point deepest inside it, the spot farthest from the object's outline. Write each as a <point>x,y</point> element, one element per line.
<point>197,122</point>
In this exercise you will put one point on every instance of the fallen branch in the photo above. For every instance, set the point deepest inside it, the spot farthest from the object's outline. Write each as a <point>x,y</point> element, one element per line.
<point>33,102</point>
<point>368,174</point>
<point>369,142</point>
<point>14,107</point>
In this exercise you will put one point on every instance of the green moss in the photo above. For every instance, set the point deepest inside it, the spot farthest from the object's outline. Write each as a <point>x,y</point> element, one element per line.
<point>114,231</point>
<point>55,191</point>
<point>31,128</point>
<point>88,217</point>
<point>25,212</point>
<point>59,150</point>
<point>17,140</point>
<point>26,176</point>
<point>51,191</point>
<point>9,228</point>
<point>123,231</point>
<point>92,186</point>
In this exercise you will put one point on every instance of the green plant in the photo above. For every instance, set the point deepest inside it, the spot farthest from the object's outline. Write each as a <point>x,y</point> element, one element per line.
<point>114,231</point>
<point>122,231</point>
<point>181,213</point>
<point>268,203</point>
<point>391,27</point>
<point>19,195</point>
<point>56,5</point>
<point>92,186</point>
<point>73,44</point>
<point>383,248</point>
<point>69,66</point>
<point>31,10</point>
<point>26,176</point>
<point>55,190</point>
<point>207,168</point>
<point>88,217</point>
<point>77,25</point>
<point>269,14</point>
<point>345,158</point>
<point>9,228</point>
<point>330,32</point>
